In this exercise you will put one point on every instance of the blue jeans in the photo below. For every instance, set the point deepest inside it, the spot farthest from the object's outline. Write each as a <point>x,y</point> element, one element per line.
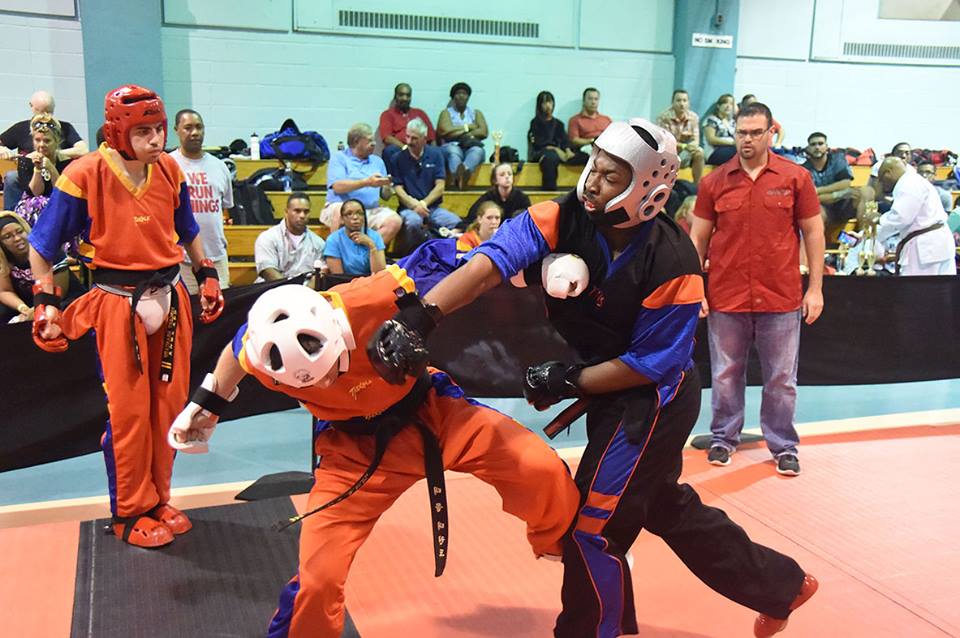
<point>12,191</point>
<point>438,217</point>
<point>470,158</point>
<point>777,338</point>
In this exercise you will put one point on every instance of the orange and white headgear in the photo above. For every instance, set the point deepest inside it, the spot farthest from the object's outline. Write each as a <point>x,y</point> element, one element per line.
<point>277,324</point>
<point>126,107</point>
<point>651,153</point>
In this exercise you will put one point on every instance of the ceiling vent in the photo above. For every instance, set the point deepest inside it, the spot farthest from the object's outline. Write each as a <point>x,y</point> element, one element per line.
<point>438,24</point>
<point>926,52</point>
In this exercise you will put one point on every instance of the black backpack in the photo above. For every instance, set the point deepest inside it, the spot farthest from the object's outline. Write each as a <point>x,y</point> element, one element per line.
<point>250,204</point>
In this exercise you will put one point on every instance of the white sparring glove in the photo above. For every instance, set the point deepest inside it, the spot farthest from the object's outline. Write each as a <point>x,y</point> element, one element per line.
<point>195,424</point>
<point>564,275</point>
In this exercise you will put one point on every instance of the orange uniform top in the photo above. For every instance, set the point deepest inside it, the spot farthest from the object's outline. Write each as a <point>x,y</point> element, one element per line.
<point>360,391</point>
<point>120,226</point>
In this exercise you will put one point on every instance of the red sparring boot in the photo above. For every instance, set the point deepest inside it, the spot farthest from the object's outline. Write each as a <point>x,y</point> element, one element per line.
<point>175,520</point>
<point>142,531</point>
<point>766,626</point>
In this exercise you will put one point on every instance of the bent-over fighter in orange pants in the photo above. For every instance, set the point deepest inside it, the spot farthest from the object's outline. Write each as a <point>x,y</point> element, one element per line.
<point>302,343</point>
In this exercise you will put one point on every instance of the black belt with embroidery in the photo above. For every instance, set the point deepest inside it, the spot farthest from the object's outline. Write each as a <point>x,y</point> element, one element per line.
<point>141,281</point>
<point>383,428</point>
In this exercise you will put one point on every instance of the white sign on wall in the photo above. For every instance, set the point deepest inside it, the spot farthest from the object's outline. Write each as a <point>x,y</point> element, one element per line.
<point>712,41</point>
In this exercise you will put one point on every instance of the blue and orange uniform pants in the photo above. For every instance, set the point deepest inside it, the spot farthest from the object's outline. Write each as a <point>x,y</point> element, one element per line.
<point>628,478</point>
<point>141,407</point>
<point>532,480</point>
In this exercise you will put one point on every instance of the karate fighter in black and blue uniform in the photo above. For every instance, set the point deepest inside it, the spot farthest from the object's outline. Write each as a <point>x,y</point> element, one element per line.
<point>626,297</point>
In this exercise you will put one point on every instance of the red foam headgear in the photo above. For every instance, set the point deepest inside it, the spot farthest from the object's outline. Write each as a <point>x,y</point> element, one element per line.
<point>126,107</point>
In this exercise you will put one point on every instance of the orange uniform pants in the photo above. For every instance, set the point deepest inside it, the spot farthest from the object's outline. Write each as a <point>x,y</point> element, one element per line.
<point>532,480</point>
<point>141,408</point>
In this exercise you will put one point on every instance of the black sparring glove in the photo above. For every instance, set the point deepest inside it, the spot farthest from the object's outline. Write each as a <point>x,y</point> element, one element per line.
<point>399,347</point>
<point>551,382</point>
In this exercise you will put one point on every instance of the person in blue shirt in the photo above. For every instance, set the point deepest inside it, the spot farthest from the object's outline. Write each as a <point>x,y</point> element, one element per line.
<point>419,179</point>
<point>354,249</point>
<point>357,172</point>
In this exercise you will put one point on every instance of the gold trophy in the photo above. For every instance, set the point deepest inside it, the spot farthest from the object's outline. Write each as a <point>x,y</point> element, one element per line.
<point>868,253</point>
<point>497,138</point>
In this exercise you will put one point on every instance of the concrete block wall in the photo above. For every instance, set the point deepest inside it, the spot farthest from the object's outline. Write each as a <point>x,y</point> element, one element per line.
<point>41,53</point>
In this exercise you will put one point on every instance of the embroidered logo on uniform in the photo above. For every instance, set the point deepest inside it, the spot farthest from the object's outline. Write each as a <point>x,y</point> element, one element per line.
<point>141,219</point>
<point>355,390</point>
<point>778,192</point>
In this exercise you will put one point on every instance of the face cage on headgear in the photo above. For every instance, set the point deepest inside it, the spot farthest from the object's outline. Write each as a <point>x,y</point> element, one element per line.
<point>126,107</point>
<point>651,154</point>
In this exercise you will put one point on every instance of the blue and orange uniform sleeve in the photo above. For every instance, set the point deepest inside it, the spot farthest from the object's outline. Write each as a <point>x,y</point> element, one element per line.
<point>64,217</point>
<point>183,219</point>
<point>524,239</point>
<point>661,346</point>
<point>238,341</point>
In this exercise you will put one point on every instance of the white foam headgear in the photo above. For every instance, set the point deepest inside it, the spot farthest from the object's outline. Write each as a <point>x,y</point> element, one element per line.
<point>651,153</point>
<point>278,320</point>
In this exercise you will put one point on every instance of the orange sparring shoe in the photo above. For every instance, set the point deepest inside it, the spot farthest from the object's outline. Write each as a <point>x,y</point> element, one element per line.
<point>766,626</point>
<point>175,520</point>
<point>142,531</point>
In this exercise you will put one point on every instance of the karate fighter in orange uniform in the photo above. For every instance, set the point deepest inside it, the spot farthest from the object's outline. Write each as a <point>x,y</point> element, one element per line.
<point>129,204</point>
<point>302,343</point>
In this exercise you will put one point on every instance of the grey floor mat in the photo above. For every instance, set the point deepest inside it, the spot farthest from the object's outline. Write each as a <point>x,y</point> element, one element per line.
<point>222,579</point>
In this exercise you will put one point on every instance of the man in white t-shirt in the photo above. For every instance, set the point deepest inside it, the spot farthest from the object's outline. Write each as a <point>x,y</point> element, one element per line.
<point>211,195</point>
<point>290,248</point>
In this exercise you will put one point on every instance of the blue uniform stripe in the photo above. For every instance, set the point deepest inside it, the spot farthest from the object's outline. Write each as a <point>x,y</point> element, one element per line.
<point>280,623</point>
<point>617,465</point>
<point>63,218</point>
<point>595,512</point>
<point>517,244</point>
<point>607,575</point>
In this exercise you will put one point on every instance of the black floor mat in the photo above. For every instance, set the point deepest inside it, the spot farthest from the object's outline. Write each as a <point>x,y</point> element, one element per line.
<point>221,579</point>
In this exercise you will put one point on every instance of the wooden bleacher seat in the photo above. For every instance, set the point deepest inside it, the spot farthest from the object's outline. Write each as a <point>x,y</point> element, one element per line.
<point>528,178</point>
<point>458,202</point>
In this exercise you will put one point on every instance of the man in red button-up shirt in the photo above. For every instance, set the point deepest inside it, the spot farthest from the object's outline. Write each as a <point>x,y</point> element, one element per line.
<point>752,213</point>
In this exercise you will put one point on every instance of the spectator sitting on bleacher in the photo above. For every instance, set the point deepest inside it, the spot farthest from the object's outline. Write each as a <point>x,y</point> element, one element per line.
<point>19,138</point>
<point>483,228</point>
<point>684,124</point>
<point>418,178</point>
<point>511,200</point>
<point>462,130</point>
<point>548,142</point>
<point>39,170</point>
<point>393,123</point>
<point>587,125</point>
<point>357,173</point>
<point>211,196</point>
<point>289,248</point>
<point>354,249</point>
<point>918,217</point>
<point>928,171</point>
<point>718,130</point>
<point>833,178</point>
<point>16,278</point>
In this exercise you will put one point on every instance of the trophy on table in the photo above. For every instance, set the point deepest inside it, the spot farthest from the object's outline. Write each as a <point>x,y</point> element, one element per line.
<point>868,252</point>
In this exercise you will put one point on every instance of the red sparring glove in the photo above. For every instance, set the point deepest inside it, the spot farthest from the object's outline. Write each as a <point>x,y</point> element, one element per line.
<point>46,317</point>
<point>210,291</point>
